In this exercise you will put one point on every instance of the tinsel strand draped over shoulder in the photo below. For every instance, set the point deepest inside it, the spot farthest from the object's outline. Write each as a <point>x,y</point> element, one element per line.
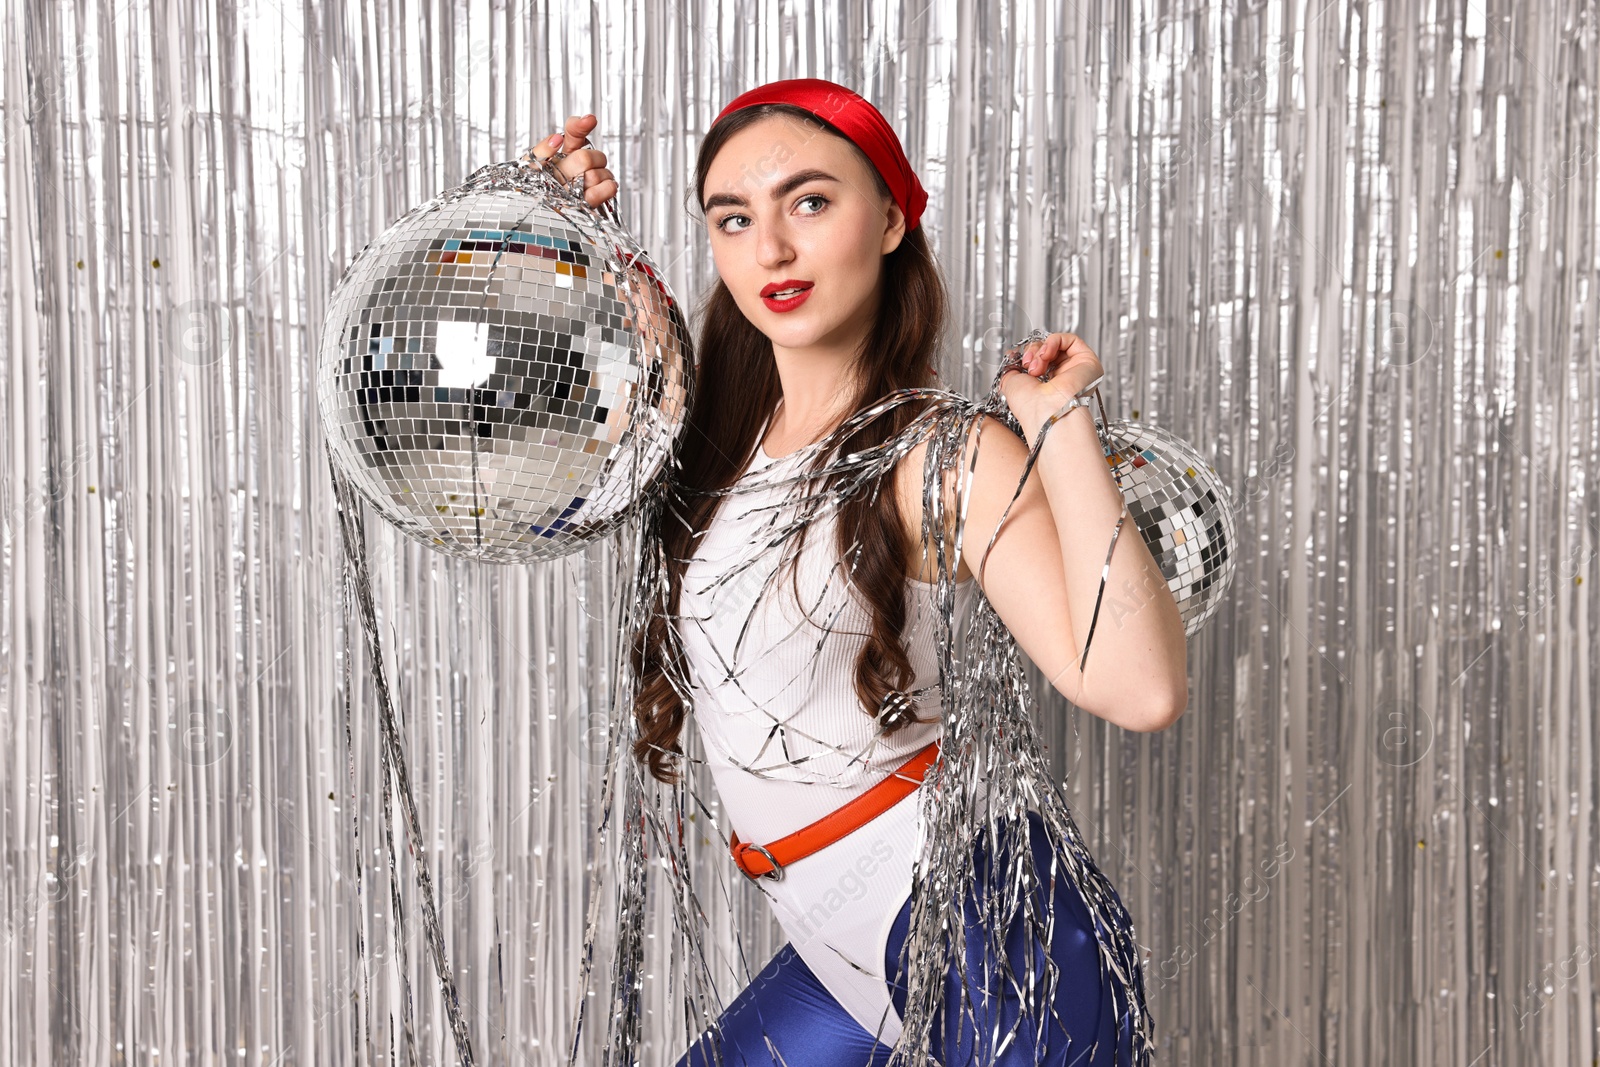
<point>993,770</point>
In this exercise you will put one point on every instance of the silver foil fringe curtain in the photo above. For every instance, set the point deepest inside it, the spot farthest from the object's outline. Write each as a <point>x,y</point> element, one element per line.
<point>1349,249</point>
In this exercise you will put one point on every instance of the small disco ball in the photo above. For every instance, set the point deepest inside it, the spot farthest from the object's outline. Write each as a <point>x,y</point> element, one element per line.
<point>503,373</point>
<point>1183,510</point>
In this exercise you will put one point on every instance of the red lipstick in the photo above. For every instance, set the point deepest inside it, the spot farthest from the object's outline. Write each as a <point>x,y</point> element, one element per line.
<point>795,291</point>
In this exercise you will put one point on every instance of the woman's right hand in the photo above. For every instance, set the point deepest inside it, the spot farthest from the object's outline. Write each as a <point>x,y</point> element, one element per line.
<point>599,184</point>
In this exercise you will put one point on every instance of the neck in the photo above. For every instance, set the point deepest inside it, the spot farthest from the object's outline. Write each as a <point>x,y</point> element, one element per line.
<point>817,384</point>
<point>814,399</point>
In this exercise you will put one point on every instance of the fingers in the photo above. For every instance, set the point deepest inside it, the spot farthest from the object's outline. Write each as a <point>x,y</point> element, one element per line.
<point>569,139</point>
<point>599,190</point>
<point>579,127</point>
<point>544,149</point>
<point>1059,354</point>
<point>1039,356</point>
<point>576,162</point>
<point>599,184</point>
<point>582,161</point>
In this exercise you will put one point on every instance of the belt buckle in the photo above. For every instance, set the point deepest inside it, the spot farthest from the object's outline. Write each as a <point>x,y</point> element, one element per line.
<point>776,874</point>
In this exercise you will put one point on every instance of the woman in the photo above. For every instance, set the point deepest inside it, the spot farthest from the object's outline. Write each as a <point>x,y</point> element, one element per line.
<point>820,724</point>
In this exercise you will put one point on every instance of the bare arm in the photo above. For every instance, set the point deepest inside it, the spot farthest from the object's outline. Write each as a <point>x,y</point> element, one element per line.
<point>1044,570</point>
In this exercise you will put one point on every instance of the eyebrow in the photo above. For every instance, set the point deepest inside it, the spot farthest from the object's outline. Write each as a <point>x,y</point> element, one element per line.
<point>779,191</point>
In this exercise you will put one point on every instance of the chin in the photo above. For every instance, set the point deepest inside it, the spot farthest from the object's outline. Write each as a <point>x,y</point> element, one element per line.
<point>795,335</point>
<point>785,331</point>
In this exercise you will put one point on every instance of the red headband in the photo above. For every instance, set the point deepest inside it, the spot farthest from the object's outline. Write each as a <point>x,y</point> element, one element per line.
<point>858,120</point>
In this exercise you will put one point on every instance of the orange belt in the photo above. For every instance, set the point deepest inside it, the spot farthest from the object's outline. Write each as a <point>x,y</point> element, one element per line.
<point>768,861</point>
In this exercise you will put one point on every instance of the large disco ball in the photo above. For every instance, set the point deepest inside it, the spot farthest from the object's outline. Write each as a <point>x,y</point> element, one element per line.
<point>1182,508</point>
<point>503,373</point>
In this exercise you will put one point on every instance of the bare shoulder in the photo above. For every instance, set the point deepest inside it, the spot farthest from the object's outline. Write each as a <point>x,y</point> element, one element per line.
<point>1001,454</point>
<point>922,562</point>
<point>1000,458</point>
<point>1002,448</point>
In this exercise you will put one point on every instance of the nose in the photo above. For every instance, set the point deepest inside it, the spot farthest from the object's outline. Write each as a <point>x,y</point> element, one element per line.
<point>773,248</point>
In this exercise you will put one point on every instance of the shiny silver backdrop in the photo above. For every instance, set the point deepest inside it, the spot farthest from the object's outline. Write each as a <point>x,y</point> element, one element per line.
<point>1348,250</point>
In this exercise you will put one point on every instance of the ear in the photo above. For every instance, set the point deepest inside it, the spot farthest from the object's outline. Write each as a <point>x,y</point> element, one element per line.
<point>896,231</point>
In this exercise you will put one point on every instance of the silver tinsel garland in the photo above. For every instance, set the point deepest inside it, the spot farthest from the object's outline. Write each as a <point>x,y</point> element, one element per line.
<point>993,770</point>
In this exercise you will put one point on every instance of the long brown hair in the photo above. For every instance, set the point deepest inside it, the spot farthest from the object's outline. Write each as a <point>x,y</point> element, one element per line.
<point>737,388</point>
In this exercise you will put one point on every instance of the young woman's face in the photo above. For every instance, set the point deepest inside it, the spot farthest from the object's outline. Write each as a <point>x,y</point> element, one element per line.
<point>787,204</point>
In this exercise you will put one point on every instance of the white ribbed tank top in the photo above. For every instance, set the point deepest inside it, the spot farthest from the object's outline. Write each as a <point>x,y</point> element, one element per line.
<point>786,738</point>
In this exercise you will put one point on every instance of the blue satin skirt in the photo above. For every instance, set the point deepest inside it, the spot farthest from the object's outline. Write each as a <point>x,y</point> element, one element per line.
<point>786,1018</point>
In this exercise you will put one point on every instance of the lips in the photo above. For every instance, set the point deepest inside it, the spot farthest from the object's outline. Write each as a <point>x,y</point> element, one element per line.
<point>785,295</point>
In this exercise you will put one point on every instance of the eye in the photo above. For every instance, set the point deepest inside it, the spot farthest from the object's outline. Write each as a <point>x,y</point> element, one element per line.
<point>822,204</point>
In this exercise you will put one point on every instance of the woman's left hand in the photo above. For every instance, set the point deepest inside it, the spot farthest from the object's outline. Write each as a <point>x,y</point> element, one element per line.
<point>1067,366</point>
